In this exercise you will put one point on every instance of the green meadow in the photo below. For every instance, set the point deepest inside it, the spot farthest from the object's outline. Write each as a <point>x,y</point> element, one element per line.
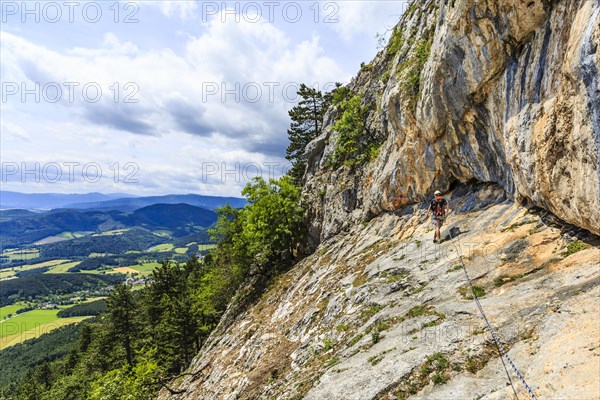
<point>31,324</point>
<point>62,268</point>
<point>26,254</point>
<point>8,272</point>
<point>162,247</point>
<point>146,267</point>
<point>8,310</point>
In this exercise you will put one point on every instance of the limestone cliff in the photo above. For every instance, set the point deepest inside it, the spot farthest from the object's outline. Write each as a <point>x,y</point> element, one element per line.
<point>504,114</point>
<point>509,94</point>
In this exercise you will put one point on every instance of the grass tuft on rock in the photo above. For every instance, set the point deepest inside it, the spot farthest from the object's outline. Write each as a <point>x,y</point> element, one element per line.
<point>574,247</point>
<point>465,292</point>
<point>503,279</point>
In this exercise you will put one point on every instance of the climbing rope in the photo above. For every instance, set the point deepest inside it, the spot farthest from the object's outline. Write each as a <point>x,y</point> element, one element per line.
<point>491,330</point>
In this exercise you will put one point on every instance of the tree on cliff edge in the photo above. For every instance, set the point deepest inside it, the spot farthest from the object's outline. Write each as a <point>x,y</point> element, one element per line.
<point>307,124</point>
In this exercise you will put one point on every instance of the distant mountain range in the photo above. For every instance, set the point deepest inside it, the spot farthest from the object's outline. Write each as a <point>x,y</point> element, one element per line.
<point>112,201</point>
<point>47,201</point>
<point>169,216</point>
<point>19,227</point>
<point>134,203</point>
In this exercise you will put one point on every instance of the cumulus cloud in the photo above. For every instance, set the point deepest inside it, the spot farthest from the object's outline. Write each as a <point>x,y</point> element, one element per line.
<point>227,93</point>
<point>209,111</point>
<point>367,16</point>
<point>122,117</point>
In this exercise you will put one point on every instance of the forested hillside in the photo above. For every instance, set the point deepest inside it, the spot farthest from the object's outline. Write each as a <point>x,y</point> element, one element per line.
<point>26,228</point>
<point>37,285</point>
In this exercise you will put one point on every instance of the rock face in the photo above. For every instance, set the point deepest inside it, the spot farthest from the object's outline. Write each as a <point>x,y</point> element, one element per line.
<point>509,94</point>
<point>379,312</point>
<point>506,116</point>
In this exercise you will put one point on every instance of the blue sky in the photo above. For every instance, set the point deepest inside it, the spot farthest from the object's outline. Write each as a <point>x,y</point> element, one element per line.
<point>163,97</point>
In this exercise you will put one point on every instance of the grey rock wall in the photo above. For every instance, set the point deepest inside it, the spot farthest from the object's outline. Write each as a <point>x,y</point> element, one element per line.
<point>509,95</point>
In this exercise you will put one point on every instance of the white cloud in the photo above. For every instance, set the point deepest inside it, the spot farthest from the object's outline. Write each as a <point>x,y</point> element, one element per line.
<point>14,130</point>
<point>179,126</point>
<point>184,9</point>
<point>366,16</point>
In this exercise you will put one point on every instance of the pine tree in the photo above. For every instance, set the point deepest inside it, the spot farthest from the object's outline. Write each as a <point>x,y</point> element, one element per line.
<point>44,375</point>
<point>85,337</point>
<point>307,124</point>
<point>121,312</point>
<point>170,325</point>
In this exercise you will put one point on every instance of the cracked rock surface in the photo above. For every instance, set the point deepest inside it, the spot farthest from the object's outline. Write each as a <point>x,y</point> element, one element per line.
<point>380,312</point>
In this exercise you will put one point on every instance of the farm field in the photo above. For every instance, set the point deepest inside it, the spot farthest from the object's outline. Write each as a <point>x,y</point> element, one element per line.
<point>74,235</point>
<point>112,233</point>
<point>6,310</point>
<point>50,239</point>
<point>31,324</point>
<point>5,273</point>
<point>62,236</point>
<point>9,272</point>
<point>162,247</point>
<point>62,268</point>
<point>124,270</point>
<point>25,321</point>
<point>44,264</point>
<point>25,254</point>
<point>146,267</point>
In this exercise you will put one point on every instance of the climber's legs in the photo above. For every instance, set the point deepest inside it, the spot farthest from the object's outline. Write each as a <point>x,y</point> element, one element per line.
<point>438,226</point>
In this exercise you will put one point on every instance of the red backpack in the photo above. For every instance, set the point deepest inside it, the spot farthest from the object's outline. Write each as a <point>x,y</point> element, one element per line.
<point>438,207</point>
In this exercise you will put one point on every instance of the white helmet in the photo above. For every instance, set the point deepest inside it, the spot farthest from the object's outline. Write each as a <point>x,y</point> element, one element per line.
<point>437,193</point>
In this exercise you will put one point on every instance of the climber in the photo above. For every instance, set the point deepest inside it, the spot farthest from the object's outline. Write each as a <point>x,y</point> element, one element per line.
<point>439,211</point>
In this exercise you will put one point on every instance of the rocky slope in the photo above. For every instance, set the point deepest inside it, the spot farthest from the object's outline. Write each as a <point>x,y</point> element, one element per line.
<point>504,113</point>
<point>379,312</point>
